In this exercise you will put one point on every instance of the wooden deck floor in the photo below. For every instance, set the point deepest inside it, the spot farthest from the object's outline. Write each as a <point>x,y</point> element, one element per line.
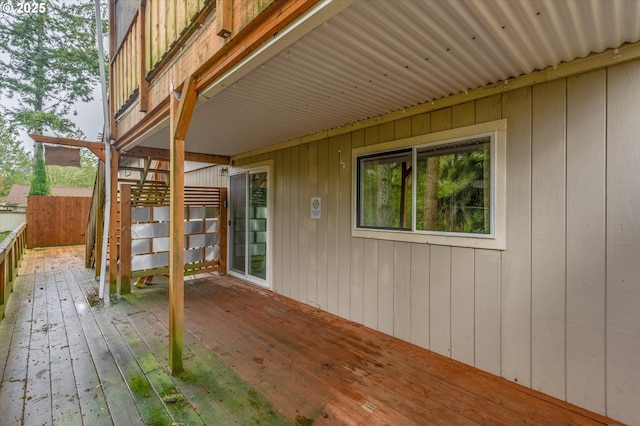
<point>252,357</point>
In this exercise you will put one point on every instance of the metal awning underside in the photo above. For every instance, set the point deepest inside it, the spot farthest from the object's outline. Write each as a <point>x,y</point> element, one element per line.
<point>379,56</point>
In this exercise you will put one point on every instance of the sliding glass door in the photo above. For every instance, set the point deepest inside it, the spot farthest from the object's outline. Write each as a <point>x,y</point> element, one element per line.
<point>249,225</point>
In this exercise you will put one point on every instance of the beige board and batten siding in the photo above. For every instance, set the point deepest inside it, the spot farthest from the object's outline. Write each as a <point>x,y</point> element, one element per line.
<point>557,310</point>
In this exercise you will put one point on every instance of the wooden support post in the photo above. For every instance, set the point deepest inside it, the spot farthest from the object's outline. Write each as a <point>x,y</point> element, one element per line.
<point>222,268</point>
<point>113,224</point>
<point>223,18</point>
<point>180,116</point>
<point>125,239</point>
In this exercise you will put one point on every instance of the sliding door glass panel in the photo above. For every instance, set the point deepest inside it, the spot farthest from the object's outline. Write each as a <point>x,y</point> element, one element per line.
<point>238,198</point>
<point>257,232</point>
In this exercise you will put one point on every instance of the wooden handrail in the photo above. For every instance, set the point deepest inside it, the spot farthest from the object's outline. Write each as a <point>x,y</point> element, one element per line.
<point>11,251</point>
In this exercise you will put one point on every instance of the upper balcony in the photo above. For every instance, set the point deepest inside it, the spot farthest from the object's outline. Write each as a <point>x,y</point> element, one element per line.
<point>155,44</point>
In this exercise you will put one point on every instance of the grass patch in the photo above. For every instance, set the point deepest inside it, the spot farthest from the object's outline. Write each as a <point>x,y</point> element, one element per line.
<point>4,235</point>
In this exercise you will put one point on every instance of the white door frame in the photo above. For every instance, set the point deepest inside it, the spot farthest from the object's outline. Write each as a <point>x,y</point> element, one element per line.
<point>248,171</point>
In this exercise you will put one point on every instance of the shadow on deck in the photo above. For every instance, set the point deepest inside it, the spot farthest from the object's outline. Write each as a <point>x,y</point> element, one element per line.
<point>251,357</point>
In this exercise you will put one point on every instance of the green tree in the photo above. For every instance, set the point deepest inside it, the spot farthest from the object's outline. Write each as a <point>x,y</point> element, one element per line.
<point>81,177</point>
<point>49,62</point>
<point>39,182</point>
<point>15,164</point>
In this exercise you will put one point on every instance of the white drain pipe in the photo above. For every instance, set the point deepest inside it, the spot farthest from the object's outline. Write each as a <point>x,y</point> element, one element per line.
<point>107,154</point>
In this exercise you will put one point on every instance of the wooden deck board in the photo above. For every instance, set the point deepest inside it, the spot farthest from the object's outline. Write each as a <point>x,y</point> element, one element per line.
<point>251,357</point>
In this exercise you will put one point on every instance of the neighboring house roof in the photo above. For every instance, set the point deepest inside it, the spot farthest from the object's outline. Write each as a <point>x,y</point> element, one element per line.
<point>18,194</point>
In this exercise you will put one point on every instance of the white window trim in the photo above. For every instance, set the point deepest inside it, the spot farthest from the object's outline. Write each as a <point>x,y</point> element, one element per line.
<point>496,240</point>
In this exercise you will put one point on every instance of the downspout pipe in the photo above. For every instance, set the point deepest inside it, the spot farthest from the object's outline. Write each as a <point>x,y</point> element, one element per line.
<point>106,136</point>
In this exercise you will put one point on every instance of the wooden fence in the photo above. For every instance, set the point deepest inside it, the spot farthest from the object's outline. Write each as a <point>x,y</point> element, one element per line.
<point>11,250</point>
<point>56,221</point>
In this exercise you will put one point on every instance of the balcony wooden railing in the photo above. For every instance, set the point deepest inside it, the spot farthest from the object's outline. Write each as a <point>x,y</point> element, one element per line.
<point>124,66</point>
<point>11,251</point>
<point>154,33</point>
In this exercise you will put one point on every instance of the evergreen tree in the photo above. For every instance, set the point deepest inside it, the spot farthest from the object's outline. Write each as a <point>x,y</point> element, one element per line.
<point>49,61</point>
<point>39,182</point>
<point>15,164</point>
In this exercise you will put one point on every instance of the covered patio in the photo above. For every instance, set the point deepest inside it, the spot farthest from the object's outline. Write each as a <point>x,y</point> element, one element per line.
<point>251,357</point>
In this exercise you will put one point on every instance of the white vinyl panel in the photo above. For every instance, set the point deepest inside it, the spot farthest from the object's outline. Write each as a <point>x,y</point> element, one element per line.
<point>385,287</point>
<point>285,230</point>
<point>487,312</point>
<point>420,295</point>
<point>548,239</point>
<point>402,290</point>
<point>440,300</point>
<point>323,193</point>
<point>586,240</point>
<point>623,243</point>
<point>516,265</point>
<point>370,291</point>
<point>312,235</point>
<point>304,235</point>
<point>357,280</point>
<point>294,223</point>
<point>462,304</point>
<point>344,228</point>
<point>331,206</point>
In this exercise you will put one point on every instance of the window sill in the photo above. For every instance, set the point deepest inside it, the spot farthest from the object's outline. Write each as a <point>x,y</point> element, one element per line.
<point>465,240</point>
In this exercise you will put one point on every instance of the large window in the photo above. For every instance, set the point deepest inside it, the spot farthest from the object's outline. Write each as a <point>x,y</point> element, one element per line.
<point>439,188</point>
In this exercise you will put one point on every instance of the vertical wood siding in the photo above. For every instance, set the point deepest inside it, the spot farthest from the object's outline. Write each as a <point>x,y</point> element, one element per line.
<point>558,309</point>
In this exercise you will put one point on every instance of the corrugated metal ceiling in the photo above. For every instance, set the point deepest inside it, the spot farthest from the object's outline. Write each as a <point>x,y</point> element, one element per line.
<point>379,56</point>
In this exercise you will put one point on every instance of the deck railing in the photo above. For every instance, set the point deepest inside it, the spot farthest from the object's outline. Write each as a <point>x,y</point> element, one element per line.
<point>153,36</point>
<point>11,251</point>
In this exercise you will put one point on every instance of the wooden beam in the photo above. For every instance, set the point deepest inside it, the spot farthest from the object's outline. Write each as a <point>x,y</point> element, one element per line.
<point>66,141</point>
<point>186,106</point>
<point>164,155</point>
<point>150,120</point>
<point>98,153</point>
<point>223,18</point>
